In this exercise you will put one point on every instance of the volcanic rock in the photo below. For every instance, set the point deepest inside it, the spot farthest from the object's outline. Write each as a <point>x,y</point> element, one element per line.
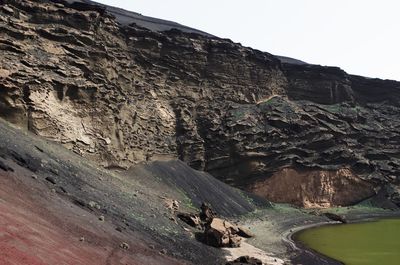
<point>119,94</point>
<point>172,205</point>
<point>335,217</point>
<point>191,219</point>
<point>124,245</point>
<point>51,180</point>
<point>206,214</point>
<point>221,233</point>
<point>245,260</point>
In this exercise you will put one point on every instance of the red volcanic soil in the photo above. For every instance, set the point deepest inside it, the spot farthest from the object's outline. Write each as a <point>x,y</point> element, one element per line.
<point>38,227</point>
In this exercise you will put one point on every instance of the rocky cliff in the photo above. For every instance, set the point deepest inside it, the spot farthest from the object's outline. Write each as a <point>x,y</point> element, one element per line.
<point>120,94</point>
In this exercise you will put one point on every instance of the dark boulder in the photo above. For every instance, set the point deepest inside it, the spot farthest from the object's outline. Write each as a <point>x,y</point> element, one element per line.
<point>190,218</point>
<point>206,214</point>
<point>245,260</point>
<point>335,217</point>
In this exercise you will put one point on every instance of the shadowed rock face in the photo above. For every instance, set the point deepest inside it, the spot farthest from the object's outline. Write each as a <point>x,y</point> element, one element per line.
<point>120,94</point>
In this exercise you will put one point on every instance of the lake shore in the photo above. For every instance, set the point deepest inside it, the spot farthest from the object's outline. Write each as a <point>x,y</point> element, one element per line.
<point>275,229</point>
<point>305,255</point>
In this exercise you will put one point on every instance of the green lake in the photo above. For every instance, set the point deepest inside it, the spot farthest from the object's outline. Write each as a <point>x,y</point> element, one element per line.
<point>369,243</point>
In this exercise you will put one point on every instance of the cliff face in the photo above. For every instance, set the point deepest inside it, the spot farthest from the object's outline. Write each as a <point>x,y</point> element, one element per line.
<point>124,94</point>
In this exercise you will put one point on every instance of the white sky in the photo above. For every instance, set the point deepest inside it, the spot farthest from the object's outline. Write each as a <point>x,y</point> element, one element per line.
<point>360,36</point>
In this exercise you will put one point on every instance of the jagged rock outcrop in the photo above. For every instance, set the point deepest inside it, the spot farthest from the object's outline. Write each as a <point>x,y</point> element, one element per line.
<point>221,233</point>
<point>121,94</point>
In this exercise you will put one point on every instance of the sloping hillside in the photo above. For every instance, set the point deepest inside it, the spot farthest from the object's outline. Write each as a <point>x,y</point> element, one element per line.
<point>59,208</point>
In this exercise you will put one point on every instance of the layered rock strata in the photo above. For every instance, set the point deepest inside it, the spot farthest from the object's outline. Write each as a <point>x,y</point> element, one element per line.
<point>122,94</point>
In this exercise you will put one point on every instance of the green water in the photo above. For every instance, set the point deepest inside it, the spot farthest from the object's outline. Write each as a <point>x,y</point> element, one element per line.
<point>370,243</point>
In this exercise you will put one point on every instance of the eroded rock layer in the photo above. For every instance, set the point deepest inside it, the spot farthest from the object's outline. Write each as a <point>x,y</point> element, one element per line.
<point>121,94</point>
<point>314,188</point>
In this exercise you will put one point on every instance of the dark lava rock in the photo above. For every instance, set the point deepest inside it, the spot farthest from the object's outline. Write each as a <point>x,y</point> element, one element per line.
<point>206,214</point>
<point>335,217</point>
<point>240,114</point>
<point>245,260</point>
<point>191,219</point>
<point>51,180</point>
<point>79,202</point>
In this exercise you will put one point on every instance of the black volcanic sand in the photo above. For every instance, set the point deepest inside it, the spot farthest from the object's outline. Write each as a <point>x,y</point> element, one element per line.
<point>198,186</point>
<point>64,196</point>
<point>50,172</point>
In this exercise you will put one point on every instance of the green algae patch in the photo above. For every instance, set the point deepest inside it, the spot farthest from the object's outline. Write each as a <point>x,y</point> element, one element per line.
<point>368,243</point>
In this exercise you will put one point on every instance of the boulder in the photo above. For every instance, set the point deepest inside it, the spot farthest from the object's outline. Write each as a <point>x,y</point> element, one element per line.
<point>171,204</point>
<point>245,260</point>
<point>221,233</point>
<point>335,217</point>
<point>190,218</point>
<point>206,214</point>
